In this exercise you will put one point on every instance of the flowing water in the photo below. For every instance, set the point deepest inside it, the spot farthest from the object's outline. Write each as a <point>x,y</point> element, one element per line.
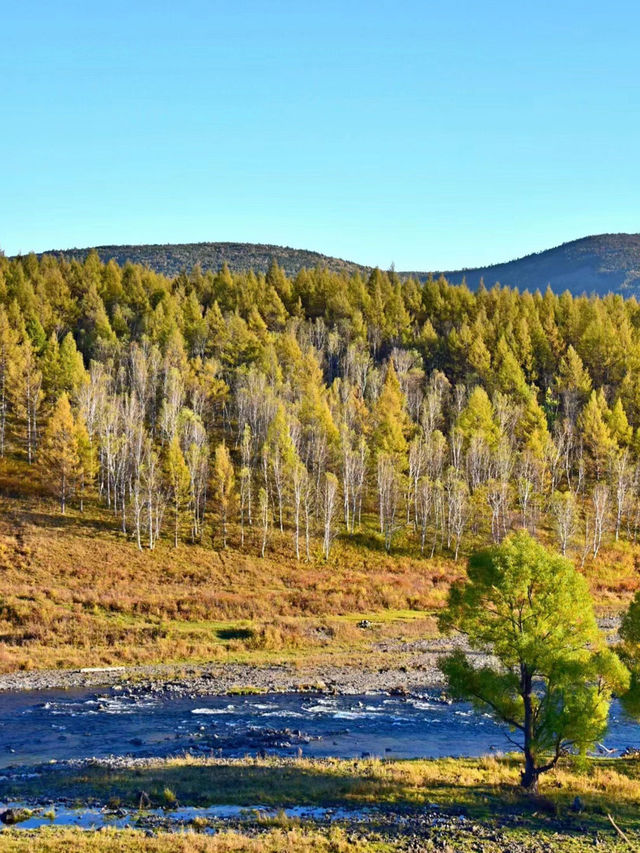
<point>55,725</point>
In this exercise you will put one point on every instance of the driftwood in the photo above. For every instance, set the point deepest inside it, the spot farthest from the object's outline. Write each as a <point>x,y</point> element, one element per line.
<point>621,833</point>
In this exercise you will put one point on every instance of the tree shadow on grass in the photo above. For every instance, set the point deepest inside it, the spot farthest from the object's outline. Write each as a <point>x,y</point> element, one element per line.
<point>72,521</point>
<point>351,785</point>
<point>234,633</point>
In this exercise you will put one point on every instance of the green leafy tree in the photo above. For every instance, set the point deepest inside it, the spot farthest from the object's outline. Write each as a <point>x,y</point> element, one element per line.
<point>629,651</point>
<point>552,683</point>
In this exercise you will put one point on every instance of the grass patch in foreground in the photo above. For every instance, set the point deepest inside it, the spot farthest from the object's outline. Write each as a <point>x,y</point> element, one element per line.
<point>334,840</point>
<point>484,790</point>
<point>469,838</point>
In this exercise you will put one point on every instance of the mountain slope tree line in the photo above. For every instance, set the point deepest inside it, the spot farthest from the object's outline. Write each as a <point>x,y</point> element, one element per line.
<point>220,405</point>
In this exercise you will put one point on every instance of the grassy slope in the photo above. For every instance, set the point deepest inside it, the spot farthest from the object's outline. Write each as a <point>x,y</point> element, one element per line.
<point>74,592</point>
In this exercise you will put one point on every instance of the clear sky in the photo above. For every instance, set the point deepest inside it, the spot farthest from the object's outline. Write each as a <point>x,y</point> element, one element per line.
<point>427,134</point>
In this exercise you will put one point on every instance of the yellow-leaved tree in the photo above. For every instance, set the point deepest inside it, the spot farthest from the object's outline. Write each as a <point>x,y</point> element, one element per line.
<point>59,458</point>
<point>223,483</point>
<point>178,484</point>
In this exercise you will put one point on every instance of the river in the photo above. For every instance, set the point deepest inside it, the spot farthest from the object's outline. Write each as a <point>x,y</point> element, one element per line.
<point>55,725</point>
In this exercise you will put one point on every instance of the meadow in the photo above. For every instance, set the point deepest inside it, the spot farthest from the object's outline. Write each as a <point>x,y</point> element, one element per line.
<point>446,804</point>
<point>75,593</point>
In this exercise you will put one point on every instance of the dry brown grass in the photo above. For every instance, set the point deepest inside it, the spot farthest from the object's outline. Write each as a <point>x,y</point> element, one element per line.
<point>74,592</point>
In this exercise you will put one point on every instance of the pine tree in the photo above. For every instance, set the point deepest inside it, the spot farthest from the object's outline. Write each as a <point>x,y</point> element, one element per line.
<point>391,422</point>
<point>508,375</point>
<point>72,372</point>
<point>573,382</point>
<point>87,458</point>
<point>178,485</point>
<point>25,392</point>
<point>532,430</point>
<point>618,425</point>
<point>60,462</point>
<point>596,435</point>
<point>477,418</point>
<point>50,366</point>
<point>8,343</point>
<point>223,483</point>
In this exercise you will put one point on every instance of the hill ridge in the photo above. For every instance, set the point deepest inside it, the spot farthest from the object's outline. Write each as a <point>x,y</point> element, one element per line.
<point>600,263</point>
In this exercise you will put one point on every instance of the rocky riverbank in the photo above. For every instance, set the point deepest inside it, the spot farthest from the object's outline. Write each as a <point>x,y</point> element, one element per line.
<point>402,828</point>
<point>419,673</point>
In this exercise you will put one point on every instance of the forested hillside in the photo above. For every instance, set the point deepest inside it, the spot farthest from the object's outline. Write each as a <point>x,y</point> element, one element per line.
<point>173,258</point>
<point>200,407</point>
<point>600,264</point>
<point>603,263</point>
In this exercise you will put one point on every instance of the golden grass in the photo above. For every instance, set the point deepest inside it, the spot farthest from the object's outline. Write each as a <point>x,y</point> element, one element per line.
<point>74,592</point>
<point>499,815</point>
<point>603,784</point>
<point>130,841</point>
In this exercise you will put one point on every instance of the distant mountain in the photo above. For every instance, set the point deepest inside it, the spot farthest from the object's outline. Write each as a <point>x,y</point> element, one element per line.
<point>605,263</point>
<point>600,264</point>
<point>171,258</point>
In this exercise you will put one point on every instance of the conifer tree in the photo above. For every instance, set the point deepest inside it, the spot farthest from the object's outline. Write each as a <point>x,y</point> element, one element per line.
<point>25,391</point>
<point>50,367</point>
<point>508,376</point>
<point>224,483</point>
<point>532,428</point>
<point>596,435</point>
<point>618,425</point>
<point>60,461</point>
<point>72,372</point>
<point>391,423</point>
<point>178,485</point>
<point>8,343</point>
<point>87,458</point>
<point>477,418</point>
<point>573,382</point>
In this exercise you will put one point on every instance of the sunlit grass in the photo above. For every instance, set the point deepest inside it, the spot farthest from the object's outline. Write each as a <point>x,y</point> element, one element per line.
<point>75,593</point>
<point>293,840</point>
<point>484,790</point>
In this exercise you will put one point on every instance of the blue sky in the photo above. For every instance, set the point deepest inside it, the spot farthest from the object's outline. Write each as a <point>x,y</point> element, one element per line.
<point>429,135</point>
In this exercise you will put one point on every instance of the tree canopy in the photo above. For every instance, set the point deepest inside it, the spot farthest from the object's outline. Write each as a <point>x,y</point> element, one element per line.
<point>551,676</point>
<point>445,414</point>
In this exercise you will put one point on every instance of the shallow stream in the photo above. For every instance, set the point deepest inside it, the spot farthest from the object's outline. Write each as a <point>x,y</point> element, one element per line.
<point>57,725</point>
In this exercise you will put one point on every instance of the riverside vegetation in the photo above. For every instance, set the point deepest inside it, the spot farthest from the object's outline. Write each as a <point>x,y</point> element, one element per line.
<point>461,804</point>
<point>259,462</point>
